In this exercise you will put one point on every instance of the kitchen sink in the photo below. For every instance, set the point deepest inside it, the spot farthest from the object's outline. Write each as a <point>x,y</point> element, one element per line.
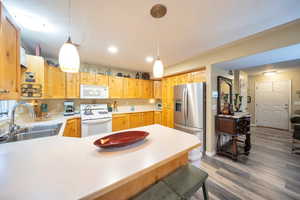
<point>35,132</point>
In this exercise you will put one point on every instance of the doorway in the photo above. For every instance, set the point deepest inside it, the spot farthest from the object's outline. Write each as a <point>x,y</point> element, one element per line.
<point>272,104</point>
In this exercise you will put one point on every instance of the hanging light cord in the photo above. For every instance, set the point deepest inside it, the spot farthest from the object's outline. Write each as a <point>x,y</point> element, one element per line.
<point>69,13</point>
<point>157,38</point>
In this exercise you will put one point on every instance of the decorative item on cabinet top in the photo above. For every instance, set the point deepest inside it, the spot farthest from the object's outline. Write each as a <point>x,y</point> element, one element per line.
<point>31,90</point>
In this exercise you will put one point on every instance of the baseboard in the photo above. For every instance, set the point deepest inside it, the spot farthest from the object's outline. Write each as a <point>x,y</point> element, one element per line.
<point>210,154</point>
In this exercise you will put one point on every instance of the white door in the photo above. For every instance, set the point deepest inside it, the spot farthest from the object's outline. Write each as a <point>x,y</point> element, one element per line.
<point>272,100</point>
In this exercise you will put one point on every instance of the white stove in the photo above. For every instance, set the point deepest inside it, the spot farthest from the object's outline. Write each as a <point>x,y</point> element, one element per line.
<point>95,119</point>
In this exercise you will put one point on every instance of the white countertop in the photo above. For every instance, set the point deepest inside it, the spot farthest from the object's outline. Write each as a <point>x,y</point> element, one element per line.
<point>72,168</point>
<point>135,111</point>
<point>60,118</point>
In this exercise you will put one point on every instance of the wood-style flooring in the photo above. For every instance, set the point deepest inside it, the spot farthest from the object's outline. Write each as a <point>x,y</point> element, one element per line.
<point>269,172</point>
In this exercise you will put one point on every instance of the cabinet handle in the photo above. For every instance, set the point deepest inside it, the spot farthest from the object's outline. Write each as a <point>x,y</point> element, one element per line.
<point>4,91</point>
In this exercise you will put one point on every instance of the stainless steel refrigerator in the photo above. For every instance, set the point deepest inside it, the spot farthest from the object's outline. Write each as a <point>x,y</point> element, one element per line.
<point>189,112</point>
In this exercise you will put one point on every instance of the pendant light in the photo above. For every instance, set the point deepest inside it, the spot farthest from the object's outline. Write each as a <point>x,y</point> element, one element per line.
<point>68,58</point>
<point>158,11</point>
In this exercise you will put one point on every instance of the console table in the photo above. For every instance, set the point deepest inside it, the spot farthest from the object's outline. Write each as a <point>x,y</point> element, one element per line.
<point>237,129</point>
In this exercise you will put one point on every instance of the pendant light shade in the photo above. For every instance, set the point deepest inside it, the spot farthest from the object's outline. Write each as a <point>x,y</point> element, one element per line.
<point>68,57</point>
<point>69,60</point>
<point>158,68</point>
<point>158,11</point>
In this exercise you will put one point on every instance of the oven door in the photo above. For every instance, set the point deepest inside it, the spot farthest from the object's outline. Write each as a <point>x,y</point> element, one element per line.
<point>93,92</point>
<point>96,126</point>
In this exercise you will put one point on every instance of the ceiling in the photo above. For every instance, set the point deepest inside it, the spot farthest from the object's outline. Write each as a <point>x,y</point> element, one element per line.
<point>190,27</point>
<point>253,62</point>
<point>291,65</point>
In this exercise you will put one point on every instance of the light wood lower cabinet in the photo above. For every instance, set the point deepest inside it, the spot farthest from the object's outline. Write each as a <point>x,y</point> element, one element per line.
<point>120,122</point>
<point>132,120</point>
<point>73,128</point>
<point>147,118</point>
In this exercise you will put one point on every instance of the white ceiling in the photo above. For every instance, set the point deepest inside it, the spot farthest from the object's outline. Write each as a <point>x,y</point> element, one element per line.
<point>190,27</point>
<point>266,58</point>
<point>291,65</point>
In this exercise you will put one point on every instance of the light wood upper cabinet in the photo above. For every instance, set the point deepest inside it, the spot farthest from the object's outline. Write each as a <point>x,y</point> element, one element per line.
<point>87,78</point>
<point>101,80</point>
<point>131,88</point>
<point>73,128</point>
<point>157,90</point>
<point>116,87</point>
<point>35,65</point>
<point>54,82</point>
<point>120,122</point>
<point>10,69</point>
<point>148,89</point>
<point>93,79</point>
<point>72,85</point>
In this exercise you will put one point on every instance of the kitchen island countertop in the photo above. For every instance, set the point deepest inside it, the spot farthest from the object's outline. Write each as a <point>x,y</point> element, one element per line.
<point>73,168</point>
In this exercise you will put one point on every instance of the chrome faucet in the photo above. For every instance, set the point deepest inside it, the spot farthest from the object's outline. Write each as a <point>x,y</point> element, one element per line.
<point>14,129</point>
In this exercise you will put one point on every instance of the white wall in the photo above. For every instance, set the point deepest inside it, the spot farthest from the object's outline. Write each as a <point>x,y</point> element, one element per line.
<point>277,37</point>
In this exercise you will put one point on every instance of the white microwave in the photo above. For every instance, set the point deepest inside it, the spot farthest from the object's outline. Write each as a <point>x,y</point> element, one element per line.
<point>93,92</point>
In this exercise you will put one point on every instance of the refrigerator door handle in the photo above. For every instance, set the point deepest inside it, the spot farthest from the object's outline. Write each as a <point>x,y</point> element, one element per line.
<point>186,104</point>
<point>183,104</point>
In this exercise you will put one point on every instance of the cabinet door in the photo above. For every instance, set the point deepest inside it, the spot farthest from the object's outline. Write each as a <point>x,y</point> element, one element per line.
<point>130,88</point>
<point>135,120</point>
<point>157,90</point>
<point>167,117</point>
<point>10,69</point>
<point>120,122</point>
<point>147,90</point>
<point>87,78</point>
<point>101,80</point>
<point>115,87</point>
<point>139,89</point>
<point>73,128</point>
<point>55,81</point>
<point>148,118</point>
<point>157,117</point>
<point>72,85</point>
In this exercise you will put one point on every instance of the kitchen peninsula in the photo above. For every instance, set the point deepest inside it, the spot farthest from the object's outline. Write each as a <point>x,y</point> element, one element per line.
<point>73,168</point>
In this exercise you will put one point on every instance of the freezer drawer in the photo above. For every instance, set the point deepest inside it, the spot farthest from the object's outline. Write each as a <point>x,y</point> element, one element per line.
<point>196,153</point>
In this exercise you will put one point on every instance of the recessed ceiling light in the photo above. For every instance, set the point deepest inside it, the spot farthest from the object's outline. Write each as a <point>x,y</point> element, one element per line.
<point>112,49</point>
<point>149,59</point>
<point>270,73</point>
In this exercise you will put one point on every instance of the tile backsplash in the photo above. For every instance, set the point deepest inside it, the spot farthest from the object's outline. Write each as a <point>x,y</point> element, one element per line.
<point>124,105</point>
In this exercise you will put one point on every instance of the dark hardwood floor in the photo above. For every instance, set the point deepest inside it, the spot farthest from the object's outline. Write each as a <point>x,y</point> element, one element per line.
<point>269,172</point>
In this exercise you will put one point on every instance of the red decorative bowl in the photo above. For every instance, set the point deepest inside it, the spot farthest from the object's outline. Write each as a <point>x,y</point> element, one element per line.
<point>121,139</point>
